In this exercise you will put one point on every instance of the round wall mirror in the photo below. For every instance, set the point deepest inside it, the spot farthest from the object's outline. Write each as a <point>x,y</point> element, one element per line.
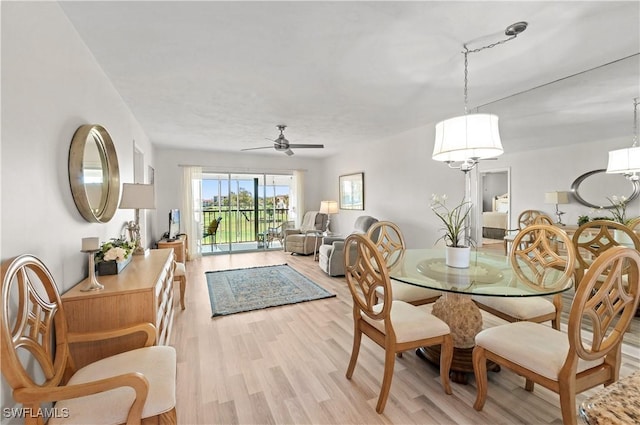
<point>594,187</point>
<point>94,174</point>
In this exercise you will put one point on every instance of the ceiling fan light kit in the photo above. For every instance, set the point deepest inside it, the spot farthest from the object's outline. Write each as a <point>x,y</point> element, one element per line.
<point>281,144</point>
<point>627,161</point>
<point>471,137</point>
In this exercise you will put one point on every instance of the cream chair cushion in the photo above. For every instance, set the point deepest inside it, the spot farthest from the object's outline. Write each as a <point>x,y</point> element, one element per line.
<point>514,307</point>
<point>179,270</point>
<point>534,346</point>
<point>409,293</point>
<point>409,322</point>
<point>157,364</point>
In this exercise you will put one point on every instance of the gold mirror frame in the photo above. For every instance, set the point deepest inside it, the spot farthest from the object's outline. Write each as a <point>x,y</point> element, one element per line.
<point>102,208</point>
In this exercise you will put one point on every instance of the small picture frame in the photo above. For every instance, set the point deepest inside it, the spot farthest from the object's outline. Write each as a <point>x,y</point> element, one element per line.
<point>352,191</point>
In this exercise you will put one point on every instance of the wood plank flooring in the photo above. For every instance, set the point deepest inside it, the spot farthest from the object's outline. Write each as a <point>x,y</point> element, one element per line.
<point>286,365</point>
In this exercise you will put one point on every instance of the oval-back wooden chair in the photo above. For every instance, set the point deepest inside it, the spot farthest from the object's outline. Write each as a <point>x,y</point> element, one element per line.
<point>525,218</point>
<point>537,263</point>
<point>565,362</point>
<point>394,325</point>
<point>133,387</point>
<point>594,238</point>
<point>389,241</point>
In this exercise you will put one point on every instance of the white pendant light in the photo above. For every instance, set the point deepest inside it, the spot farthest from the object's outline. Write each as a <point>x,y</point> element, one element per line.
<point>627,161</point>
<point>467,136</point>
<point>470,137</point>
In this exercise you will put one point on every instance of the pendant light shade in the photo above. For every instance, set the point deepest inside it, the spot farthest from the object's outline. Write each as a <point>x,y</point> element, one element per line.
<point>624,161</point>
<point>627,161</point>
<point>467,136</point>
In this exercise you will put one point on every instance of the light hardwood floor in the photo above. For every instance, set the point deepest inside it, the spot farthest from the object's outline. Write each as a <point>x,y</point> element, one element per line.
<point>286,365</point>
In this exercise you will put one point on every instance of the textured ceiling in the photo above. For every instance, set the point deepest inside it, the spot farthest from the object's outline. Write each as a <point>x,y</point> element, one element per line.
<point>221,75</point>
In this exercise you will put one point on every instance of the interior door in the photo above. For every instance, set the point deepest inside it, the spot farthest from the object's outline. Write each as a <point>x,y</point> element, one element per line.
<point>492,183</point>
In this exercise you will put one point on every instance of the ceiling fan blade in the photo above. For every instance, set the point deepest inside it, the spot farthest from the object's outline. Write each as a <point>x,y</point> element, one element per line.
<point>297,146</point>
<point>289,152</point>
<point>253,149</point>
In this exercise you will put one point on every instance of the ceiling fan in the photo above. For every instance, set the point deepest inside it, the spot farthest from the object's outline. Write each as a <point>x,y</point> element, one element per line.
<point>281,144</point>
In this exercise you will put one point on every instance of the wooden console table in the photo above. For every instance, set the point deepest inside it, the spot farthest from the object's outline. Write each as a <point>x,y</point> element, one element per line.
<point>142,292</point>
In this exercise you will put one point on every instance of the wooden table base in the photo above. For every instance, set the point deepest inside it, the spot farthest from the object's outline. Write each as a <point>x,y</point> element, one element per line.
<point>461,366</point>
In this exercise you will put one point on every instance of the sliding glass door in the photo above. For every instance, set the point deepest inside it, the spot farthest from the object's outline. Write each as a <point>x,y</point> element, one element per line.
<point>243,211</point>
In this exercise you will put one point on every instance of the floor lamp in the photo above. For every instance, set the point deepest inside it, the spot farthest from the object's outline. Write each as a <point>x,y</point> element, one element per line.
<point>137,196</point>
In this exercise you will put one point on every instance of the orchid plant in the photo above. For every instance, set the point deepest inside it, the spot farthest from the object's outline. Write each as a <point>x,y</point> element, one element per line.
<point>619,211</point>
<point>454,220</point>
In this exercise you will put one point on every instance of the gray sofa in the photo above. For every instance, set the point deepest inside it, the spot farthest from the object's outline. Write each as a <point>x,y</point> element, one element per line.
<point>305,240</point>
<point>331,252</point>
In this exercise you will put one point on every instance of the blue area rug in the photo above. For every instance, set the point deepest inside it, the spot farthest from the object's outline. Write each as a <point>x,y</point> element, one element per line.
<point>235,291</point>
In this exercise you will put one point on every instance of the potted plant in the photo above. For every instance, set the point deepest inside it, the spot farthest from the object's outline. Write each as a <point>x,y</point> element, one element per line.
<point>113,256</point>
<point>582,219</point>
<point>619,210</point>
<point>458,250</point>
<point>619,213</point>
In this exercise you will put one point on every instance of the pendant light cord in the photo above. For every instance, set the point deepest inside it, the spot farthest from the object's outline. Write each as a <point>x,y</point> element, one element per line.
<point>466,52</point>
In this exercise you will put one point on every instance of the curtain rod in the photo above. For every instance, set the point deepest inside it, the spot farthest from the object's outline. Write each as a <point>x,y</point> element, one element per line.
<point>243,169</point>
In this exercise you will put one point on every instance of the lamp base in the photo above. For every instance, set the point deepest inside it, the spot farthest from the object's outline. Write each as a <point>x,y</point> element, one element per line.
<point>140,251</point>
<point>559,216</point>
<point>92,284</point>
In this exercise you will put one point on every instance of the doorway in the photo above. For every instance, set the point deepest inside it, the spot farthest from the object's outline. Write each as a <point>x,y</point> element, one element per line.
<point>494,195</point>
<point>248,210</point>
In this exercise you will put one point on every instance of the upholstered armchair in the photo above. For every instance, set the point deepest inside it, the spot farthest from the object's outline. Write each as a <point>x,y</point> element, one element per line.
<point>305,240</point>
<point>331,252</point>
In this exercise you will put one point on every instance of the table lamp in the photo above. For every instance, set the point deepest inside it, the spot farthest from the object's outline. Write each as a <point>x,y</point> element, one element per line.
<point>328,208</point>
<point>137,196</point>
<point>557,198</point>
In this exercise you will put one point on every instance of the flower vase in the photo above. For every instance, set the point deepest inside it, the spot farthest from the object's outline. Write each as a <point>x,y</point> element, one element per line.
<point>105,268</point>
<point>458,256</point>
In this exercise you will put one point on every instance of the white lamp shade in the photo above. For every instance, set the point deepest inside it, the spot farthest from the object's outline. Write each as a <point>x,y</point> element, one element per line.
<point>624,161</point>
<point>556,198</point>
<point>138,196</point>
<point>329,207</point>
<point>467,136</point>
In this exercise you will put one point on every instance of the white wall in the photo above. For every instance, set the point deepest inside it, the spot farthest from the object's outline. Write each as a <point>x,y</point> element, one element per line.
<point>51,85</point>
<point>169,174</point>
<point>399,179</point>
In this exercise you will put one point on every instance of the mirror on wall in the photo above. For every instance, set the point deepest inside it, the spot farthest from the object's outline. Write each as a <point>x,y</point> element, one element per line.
<point>594,187</point>
<point>94,174</point>
<point>593,105</point>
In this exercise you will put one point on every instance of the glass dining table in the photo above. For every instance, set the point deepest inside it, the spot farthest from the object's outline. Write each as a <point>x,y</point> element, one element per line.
<point>488,275</point>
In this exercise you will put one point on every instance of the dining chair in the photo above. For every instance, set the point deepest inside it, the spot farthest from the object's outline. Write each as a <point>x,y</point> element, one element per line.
<point>180,271</point>
<point>37,364</point>
<point>525,218</point>
<point>389,241</point>
<point>594,238</point>
<point>536,263</point>
<point>567,363</point>
<point>394,325</point>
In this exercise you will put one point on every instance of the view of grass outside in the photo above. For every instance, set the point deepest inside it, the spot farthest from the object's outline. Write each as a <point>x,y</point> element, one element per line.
<point>245,215</point>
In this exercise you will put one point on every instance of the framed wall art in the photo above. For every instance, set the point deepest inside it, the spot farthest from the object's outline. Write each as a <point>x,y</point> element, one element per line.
<point>352,191</point>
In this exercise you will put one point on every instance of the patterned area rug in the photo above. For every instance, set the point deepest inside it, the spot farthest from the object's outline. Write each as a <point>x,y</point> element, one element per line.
<point>235,291</point>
